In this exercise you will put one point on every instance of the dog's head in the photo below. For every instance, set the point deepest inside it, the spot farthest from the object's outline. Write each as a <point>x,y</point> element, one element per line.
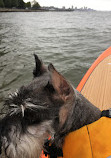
<point>35,111</point>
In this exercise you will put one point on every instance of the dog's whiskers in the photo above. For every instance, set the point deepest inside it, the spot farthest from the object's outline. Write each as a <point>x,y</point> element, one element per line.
<point>15,94</point>
<point>28,99</point>
<point>30,105</point>
<point>13,105</point>
<point>14,111</point>
<point>23,109</point>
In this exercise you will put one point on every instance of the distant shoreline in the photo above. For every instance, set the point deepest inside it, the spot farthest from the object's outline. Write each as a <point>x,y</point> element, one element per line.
<point>31,10</point>
<point>19,10</point>
<point>40,10</point>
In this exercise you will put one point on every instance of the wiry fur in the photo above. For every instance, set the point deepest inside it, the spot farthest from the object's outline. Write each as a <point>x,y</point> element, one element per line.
<point>49,105</point>
<point>29,144</point>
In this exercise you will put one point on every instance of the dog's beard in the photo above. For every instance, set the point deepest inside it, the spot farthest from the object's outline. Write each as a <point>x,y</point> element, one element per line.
<point>25,128</point>
<point>29,144</point>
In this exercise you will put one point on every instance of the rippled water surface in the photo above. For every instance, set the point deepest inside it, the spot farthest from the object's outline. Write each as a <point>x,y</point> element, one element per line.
<point>69,40</point>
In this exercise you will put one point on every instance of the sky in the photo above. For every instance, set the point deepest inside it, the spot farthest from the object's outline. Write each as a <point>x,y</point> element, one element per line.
<point>94,4</point>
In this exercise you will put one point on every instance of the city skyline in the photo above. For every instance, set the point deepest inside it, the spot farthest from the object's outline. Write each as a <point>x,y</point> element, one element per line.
<point>104,5</point>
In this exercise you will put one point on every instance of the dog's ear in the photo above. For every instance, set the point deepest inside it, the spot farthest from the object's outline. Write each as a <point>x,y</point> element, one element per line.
<point>39,67</point>
<point>65,91</point>
<point>59,83</point>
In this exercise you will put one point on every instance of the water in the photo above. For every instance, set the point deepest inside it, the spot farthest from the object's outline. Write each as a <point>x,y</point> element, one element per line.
<point>69,40</point>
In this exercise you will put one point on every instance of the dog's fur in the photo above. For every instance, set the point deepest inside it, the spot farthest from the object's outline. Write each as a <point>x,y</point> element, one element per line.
<point>49,105</point>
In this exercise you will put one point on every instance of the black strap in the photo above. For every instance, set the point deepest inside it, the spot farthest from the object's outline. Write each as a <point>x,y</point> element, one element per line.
<point>52,150</point>
<point>106,113</point>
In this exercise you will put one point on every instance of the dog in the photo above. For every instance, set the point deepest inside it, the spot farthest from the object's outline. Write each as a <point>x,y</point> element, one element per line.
<point>47,106</point>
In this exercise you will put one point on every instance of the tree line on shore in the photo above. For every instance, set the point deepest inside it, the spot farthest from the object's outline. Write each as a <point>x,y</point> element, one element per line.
<point>19,4</point>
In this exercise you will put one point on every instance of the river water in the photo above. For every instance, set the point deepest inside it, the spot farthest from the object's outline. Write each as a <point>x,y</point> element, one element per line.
<point>69,40</point>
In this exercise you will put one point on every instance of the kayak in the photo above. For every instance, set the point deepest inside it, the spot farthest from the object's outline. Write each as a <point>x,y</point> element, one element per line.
<point>94,140</point>
<point>96,84</point>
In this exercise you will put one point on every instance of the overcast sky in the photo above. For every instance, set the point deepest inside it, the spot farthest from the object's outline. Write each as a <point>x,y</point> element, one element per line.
<point>94,4</point>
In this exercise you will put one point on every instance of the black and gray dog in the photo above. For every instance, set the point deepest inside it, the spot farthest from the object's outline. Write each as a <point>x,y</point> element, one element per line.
<point>49,105</point>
